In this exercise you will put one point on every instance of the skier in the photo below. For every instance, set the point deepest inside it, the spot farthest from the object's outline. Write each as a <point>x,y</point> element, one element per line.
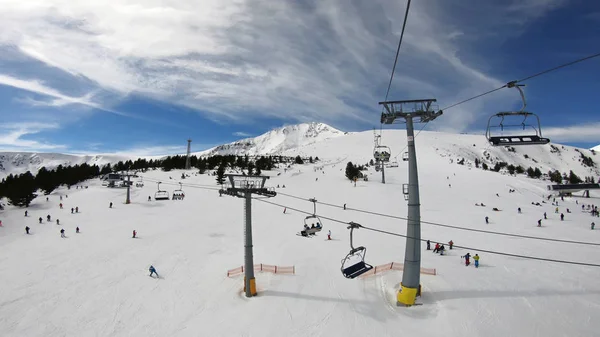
<point>562,216</point>
<point>149,199</point>
<point>329,234</point>
<point>285,208</point>
<point>0,223</point>
<point>545,216</point>
<point>467,257</point>
<point>40,219</point>
<point>344,207</point>
<point>110,206</point>
<point>61,197</point>
<point>77,209</point>
<point>437,248</point>
<point>428,245</point>
<point>476,258</point>
<point>442,248</point>
<point>72,210</point>
<point>26,213</point>
<point>77,230</point>
<point>58,222</point>
<point>153,271</point>
<point>134,233</point>
<point>46,198</point>
<point>27,229</point>
<point>519,210</point>
<point>540,223</point>
<point>487,220</point>
<point>48,217</point>
<point>451,243</point>
<point>60,205</point>
<point>593,225</point>
<point>62,233</point>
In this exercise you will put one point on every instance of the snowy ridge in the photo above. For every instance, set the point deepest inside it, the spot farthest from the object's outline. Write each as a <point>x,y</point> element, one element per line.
<point>596,148</point>
<point>278,140</point>
<point>440,147</point>
<point>21,162</point>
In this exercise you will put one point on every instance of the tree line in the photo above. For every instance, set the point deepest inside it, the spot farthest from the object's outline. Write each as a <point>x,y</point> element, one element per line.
<point>21,189</point>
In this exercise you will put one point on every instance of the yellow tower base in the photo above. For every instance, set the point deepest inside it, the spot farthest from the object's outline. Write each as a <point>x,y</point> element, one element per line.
<point>252,286</point>
<point>408,296</point>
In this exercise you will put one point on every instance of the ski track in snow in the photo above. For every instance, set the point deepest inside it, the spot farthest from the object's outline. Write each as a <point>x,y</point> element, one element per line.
<point>96,283</point>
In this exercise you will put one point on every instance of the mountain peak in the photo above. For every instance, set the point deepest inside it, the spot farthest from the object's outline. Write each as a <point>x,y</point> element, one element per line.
<point>277,140</point>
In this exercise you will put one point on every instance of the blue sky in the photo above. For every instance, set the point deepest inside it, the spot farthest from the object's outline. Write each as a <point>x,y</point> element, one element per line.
<point>111,77</point>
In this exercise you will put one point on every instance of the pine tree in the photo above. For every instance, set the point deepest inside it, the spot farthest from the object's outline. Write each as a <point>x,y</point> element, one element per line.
<point>352,171</point>
<point>221,174</point>
<point>299,160</point>
<point>20,190</point>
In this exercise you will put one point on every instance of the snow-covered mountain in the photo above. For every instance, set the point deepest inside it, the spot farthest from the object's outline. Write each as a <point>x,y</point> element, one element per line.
<point>318,139</point>
<point>596,148</point>
<point>21,162</point>
<point>278,140</point>
<point>456,147</point>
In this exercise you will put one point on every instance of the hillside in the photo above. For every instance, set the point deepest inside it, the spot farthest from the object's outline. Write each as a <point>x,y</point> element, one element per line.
<point>20,162</point>
<point>451,148</point>
<point>318,139</point>
<point>96,282</point>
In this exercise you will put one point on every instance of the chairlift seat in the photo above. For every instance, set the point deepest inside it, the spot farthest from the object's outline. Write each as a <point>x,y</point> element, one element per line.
<point>518,140</point>
<point>161,195</point>
<point>357,269</point>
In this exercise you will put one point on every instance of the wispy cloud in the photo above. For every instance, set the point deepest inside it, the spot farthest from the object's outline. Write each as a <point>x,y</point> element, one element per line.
<point>241,134</point>
<point>12,137</point>
<point>231,59</point>
<point>588,133</point>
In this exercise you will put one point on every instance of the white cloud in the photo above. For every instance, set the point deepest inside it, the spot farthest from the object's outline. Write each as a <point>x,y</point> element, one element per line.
<point>59,99</point>
<point>11,137</point>
<point>241,134</point>
<point>588,133</point>
<point>325,60</point>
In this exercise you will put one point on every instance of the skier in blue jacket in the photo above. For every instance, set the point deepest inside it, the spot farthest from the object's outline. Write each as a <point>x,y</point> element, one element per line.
<point>153,271</point>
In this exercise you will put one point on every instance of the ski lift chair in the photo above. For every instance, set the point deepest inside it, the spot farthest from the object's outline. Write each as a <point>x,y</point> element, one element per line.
<point>405,156</point>
<point>350,269</point>
<point>519,139</point>
<point>310,220</point>
<point>382,153</point>
<point>178,194</point>
<point>161,195</point>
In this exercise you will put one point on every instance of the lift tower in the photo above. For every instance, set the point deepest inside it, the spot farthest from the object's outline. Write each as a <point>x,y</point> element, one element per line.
<point>409,112</point>
<point>242,186</point>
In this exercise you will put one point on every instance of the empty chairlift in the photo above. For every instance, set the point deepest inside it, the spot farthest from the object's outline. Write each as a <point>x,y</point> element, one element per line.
<point>529,130</point>
<point>354,265</point>
<point>161,195</point>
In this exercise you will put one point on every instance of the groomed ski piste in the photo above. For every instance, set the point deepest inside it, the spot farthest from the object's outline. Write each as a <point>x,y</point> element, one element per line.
<point>96,283</point>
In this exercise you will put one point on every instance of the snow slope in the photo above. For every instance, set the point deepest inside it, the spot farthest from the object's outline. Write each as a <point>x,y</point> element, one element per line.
<point>277,140</point>
<point>21,162</point>
<point>596,148</point>
<point>96,283</point>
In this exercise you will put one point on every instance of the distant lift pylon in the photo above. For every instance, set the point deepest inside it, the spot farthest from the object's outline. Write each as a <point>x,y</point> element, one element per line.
<point>533,138</point>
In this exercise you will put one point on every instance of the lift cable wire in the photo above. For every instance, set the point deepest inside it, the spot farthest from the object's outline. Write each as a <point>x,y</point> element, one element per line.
<point>450,226</point>
<point>396,59</point>
<point>398,50</point>
<point>405,236</point>
<point>512,83</point>
<point>213,188</point>
<point>457,246</point>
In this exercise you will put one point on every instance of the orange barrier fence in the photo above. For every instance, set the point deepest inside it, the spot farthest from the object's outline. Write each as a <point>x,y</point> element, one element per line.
<point>395,266</point>
<point>264,268</point>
